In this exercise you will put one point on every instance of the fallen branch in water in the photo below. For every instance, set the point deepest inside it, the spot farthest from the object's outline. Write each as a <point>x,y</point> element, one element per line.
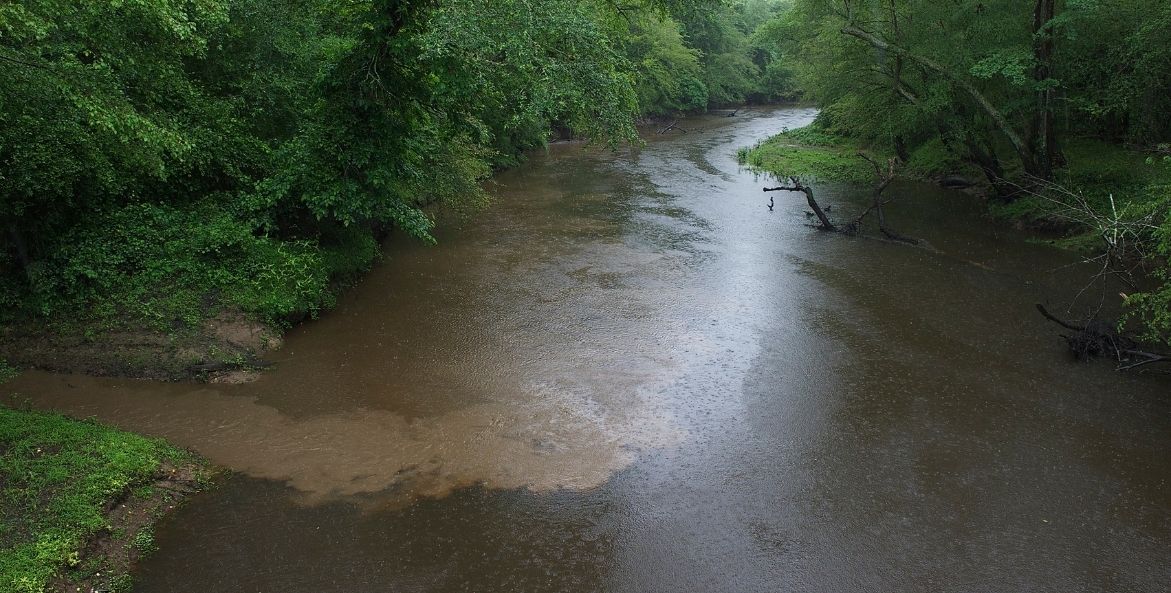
<point>884,179</point>
<point>852,227</point>
<point>674,126</point>
<point>1100,339</point>
<point>1150,357</point>
<point>826,224</point>
<point>1051,317</point>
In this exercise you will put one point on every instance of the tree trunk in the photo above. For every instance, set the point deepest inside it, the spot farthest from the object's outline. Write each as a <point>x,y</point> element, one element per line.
<point>998,119</point>
<point>901,149</point>
<point>21,248</point>
<point>990,165</point>
<point>897,81</point>
<point>1042,139</point>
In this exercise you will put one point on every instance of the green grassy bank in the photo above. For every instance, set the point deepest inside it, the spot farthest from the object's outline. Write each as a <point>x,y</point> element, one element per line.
<point>815,154</point>
<point>80,499</point>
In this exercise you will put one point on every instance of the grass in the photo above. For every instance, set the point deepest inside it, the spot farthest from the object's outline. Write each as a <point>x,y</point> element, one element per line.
<point>59,479</point>
<point>1109,177</point>
<point>808,154</point>
<point>1098,164</point>
<point>812,153</point>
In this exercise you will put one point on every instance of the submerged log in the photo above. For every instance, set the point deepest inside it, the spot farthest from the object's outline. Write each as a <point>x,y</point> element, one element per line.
<point>1098,339</point>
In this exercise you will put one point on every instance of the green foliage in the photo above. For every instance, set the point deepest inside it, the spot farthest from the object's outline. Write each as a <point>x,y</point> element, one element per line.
<point>950,70</point>
<point>738,65</point>
<point>60,474</point>
<point>7,371</point>
<point>89,94</point>
<point>668,74</point>
<point>809,153</point>
<point>169,267</point>
<point>1117,67</point>
<point>1105,166</point>
<point>1152,308</point>
<point>695,56</point>
<point>167,159</point>
<point>121,583</point>
<point>144,541</point>
<point>932,159</point>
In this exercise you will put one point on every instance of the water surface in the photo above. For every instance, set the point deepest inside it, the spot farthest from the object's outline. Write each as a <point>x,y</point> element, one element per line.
<point>629,375</point>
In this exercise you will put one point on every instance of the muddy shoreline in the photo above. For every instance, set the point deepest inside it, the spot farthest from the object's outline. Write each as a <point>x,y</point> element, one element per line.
<point>106,561</point>
<point>223,348</point>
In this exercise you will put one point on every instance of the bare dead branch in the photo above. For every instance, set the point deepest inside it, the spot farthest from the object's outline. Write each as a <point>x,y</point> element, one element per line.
<point>1148,356</point>
<point>1071,327</point>
<point>797,186</point>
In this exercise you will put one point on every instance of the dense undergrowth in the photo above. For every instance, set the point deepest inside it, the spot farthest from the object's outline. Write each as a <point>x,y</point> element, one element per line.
<point>168,268</point>
<point>167,162</point>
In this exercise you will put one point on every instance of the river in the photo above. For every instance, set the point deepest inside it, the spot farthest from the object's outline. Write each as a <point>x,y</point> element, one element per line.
<point>629,375</point>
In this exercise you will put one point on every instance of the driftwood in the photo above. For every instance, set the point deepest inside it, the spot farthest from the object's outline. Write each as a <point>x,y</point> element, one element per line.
<point>1100,339</point>
<point>884,179</point>
<point>674,126</point>
<point>852,227</point>
<point>826,224</point>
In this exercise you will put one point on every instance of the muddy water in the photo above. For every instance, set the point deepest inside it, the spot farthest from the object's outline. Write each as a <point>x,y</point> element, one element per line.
<point>629,375</point>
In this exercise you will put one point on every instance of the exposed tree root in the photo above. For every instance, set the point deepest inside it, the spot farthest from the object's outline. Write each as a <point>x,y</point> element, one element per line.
<point>1098,339</point>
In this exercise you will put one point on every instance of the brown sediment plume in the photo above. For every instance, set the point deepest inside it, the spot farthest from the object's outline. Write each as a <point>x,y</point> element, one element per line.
<point>544,439</point>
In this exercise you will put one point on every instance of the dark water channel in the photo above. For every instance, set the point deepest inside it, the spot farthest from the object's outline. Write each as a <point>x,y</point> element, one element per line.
<point>629,376</point>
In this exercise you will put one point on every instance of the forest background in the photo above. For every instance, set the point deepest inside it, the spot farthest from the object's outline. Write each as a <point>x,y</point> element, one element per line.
<point>168,162</point>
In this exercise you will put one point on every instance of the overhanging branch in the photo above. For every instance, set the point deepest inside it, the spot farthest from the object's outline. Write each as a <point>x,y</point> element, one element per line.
<point>997,117</point>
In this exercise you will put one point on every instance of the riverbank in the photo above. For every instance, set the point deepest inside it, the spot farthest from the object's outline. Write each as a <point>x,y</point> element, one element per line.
<point>176,297</point>
<point>1109,201</point>
<point>219,348</point>
<point>1095,169</point>
<point>163,313</point>
<point>628,337</point>
<point>813,153</point>
<point>81,499</point>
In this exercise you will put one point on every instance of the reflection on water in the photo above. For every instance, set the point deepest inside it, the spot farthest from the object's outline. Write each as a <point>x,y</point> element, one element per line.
<point>629,375</point>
